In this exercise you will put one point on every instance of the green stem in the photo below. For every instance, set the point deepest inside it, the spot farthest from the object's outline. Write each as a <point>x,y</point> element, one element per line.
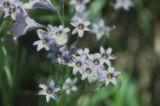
<point>6,66</point>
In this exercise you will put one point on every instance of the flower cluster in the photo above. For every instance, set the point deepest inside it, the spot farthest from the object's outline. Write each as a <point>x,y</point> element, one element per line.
<point>91,66</point>
<point>49,91</point>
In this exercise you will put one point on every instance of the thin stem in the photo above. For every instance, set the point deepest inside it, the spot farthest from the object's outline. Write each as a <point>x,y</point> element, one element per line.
<point>59,15</point>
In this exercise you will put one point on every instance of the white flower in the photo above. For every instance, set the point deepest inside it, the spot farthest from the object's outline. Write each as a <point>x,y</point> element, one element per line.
<point>57,54</point>
<point>126,4</point>
<point>69,85</point>
<point>106,55</point>
<point>78,63</point>
<point>100,29</point>
<point>49,91</point>
<point>96,60</point>
<point>59,34</point>
<point>89,72</point>
<point>45,40</point>
<point>109,76</point>
<point>80,27</point>
<point>80,14</point>
<point>79,4</point>
<point>83,52</point>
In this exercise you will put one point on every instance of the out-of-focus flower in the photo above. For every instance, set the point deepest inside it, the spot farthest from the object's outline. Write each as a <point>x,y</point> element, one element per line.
<point>44,4</point>
<point>11,7</point>
<point>126,4</point>
<point>109,76</point>
<point>100,29</point>
<point>106,55</point>
<point>49,91</point>
<point>80,14</point>
<point>59,34</point>
<point>79,4</point>
<point>80,27</point>
<point>45,40</point>
<point>69,85</point>
<point>24,25</point>
<point>66,59</point>
<point>78,63</point>
<point>57,54</point>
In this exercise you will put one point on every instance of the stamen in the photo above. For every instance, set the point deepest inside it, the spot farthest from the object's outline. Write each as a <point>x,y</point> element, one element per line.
<point>12,10</point>
<point>109,75</point>
<point>6,4</point>
<point>49,91</point>
<point>81,26</point>
<point>78,64</point>
<point>96,62</point>
<point>105,56</point>
<point>58,54</point>
<point>88,70</point>
<point>100,30</point>
<point>58,33</point>
<point>45,41</point>
<point>68,85</point>
<point>79,1</point>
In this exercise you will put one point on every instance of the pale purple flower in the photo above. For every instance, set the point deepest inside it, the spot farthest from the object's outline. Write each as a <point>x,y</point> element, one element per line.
<point>96,60</point>
<point>24,25</point>
<point>59,34</point>
<point>126,4</point>
<point>12,8</point>
<point>57,54</point>
<point>80,26</point>
<point>80,14</point>
<point>78,63</point>
<point>44,4</point>
<point>69,85</point>
<point>49,91</point>
<point>100,29</point>
<point>106,55</point>
<point>66,59</point>
<point>89,72</point>
<point>109,76</point>
<point>80,5</point>
<point>45,40</point>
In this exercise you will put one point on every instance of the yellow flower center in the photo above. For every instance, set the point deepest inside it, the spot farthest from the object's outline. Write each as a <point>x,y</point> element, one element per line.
<point>79,1</point>
<point>68,85</point>
<point>100,30</point>
<point>6,4</point>
<point>104,56</point>
<point>65,60</point>
<point>45,41</point>
<point>12,9</point>
<point>109,76</point>
<point>58,54</point>
<point>78,64</point>
<point>80,26</point>
<point>49,91</point>
<point>88,71</point>
<point>96,62</point>
<point>58,33</point>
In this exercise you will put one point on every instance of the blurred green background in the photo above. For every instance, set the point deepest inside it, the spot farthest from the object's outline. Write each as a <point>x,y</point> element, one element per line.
<point>135,42</point>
